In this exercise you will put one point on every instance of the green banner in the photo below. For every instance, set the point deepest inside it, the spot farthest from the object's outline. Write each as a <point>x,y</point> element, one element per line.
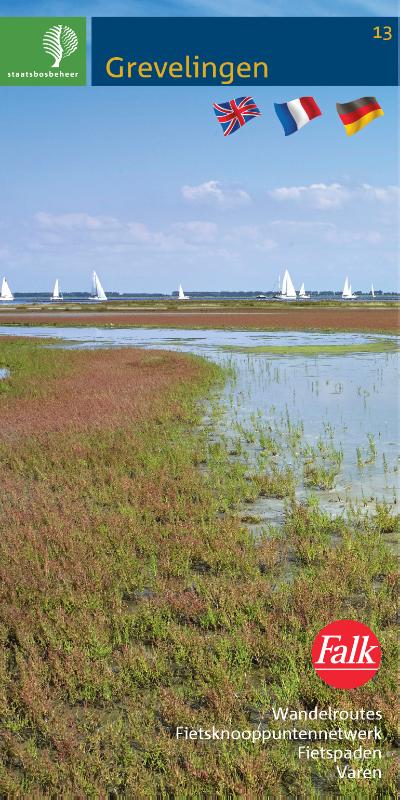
<point>42,51</point>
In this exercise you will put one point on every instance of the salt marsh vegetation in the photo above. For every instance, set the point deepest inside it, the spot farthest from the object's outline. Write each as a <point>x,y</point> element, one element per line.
<point>170,548</point>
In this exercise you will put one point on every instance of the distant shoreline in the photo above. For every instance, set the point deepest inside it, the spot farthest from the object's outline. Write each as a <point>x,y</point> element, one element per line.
<point>383,318</point>
<point>223,295</point>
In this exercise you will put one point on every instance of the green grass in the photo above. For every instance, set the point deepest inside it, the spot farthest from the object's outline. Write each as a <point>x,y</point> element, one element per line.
<point>379,346</point>
<point>173,304</point>
<point>135,600</point>
<point>31,366</point>
<point>275,483</point>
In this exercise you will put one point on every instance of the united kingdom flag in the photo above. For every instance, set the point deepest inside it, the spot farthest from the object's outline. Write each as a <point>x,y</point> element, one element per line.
<point>235,113</point>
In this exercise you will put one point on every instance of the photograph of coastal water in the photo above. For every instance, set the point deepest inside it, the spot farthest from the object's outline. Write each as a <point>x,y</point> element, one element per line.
<point>199,409</point>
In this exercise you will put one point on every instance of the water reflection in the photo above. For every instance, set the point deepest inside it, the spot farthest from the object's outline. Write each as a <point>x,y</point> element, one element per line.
<point>348,400</point>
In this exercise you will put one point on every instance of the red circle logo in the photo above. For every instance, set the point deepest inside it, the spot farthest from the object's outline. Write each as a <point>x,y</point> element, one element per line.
<point>346,654</point>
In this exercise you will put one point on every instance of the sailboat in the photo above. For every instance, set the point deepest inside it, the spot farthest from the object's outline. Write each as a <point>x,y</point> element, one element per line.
<point>98,292</point>
<point>288,292</point>
<point>181,294</point>
<point>372,290</point>
<point>56,292</point>
<point>302,293</point>
<point>6,293</point>
<point>347,293</point>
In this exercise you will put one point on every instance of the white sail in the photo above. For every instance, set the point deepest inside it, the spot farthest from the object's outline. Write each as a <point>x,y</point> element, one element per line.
<point>6,293</point>
<point>56,291</point>
<point>288,289</point>
<point>302,292</point>
<point>181,293</point>
<point>347,293</point>
<point>372,290</point>
<point>98,291</point>
<point>288,292</point>
<point>346,288</point>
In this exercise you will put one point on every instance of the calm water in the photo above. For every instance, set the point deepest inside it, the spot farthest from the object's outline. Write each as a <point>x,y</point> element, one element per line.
<point>350,400</point>
<point>45,297</point>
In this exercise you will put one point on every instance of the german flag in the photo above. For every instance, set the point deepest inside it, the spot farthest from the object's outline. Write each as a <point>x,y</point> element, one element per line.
<point>358,113</point>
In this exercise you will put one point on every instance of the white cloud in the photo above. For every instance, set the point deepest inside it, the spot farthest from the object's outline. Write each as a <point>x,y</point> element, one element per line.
<point>254,235</point>
<point>318,195</point>
<point>334,195</point>
<point>109,234</point>
<point>86,227</point>
<point>213,192</point>
<point>110,229</point>
<point>385,194</point>
<point>325,231</point>
<point>196,231</point>
<point>74,220</point>
<point>138,232</point>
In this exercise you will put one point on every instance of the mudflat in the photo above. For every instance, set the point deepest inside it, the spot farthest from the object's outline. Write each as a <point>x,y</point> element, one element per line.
<point>338,318</point>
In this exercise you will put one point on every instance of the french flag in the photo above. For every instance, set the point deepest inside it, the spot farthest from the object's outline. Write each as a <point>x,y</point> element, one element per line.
<point>296,113</point>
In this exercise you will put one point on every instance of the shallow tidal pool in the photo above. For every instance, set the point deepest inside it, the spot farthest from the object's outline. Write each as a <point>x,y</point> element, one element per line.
<point>331,397</point>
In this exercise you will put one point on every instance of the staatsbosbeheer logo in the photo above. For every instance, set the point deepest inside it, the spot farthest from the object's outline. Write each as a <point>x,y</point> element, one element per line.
<point>42,51</point>
<point>59,42</point>
<point>346,654</point>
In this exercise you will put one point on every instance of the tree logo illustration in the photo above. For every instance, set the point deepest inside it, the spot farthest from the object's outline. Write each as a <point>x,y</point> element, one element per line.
<point>59,42</point>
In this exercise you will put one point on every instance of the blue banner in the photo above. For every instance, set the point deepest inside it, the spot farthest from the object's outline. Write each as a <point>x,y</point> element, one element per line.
<point>244,51</point>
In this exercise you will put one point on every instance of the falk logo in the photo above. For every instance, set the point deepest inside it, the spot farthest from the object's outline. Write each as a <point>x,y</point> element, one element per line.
<point>59,42</point>
<point>346,654</point>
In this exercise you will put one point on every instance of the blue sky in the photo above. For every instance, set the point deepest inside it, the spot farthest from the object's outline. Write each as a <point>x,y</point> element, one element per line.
<point>307,8</point>
<point>151,195</point>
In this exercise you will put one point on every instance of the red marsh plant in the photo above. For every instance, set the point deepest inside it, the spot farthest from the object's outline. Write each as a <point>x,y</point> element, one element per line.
<point>133,599</point>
